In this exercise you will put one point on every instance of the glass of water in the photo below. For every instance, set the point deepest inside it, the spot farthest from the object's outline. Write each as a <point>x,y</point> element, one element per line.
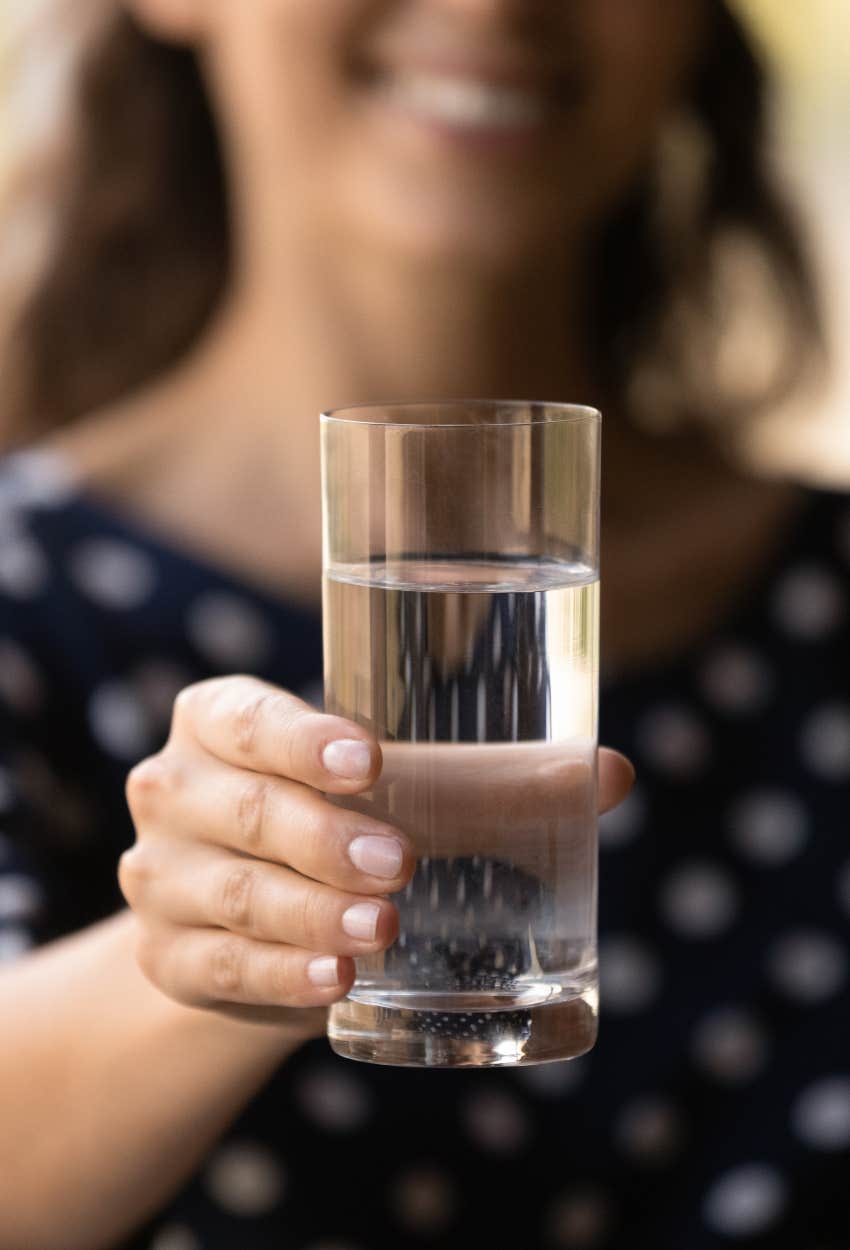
<point>461,544</point>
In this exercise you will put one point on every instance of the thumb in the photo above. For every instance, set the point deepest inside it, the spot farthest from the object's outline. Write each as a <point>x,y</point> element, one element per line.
<point>616,777</point>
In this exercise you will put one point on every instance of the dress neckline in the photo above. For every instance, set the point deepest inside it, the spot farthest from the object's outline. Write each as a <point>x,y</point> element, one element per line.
<point>44,478</point>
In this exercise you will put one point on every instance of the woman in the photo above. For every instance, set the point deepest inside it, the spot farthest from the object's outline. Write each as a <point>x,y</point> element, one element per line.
<point>406,198</point>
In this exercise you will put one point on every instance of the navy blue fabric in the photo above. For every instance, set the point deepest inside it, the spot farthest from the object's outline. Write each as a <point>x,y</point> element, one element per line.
<point>715,1109</point>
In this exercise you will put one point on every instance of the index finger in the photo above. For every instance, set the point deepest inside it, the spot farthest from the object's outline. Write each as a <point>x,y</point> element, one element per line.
<point>252,724</point>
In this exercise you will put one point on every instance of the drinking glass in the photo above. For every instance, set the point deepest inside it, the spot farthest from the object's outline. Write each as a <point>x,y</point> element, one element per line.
<point>460,596</point>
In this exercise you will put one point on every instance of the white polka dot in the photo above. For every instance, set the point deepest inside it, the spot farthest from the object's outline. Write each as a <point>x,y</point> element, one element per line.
<point>699,900</point>
<point>649,1129</point>
<point>808,603</point>
<point>336,1100</point>
<point>736,681</point>
<point>825,742</point>
<point>13,944</point>
<point>119,721</point>
<point>769,826</point>
<point>729,1045</point>
<point>423,1199</point>
<point>495,1121</point>
<point>175,1237</point>
<point>20,898</point>
<point>550,1080</point>
<point>629,976</point>
<point>807,966</point>
<point>20,681</point>
<point>745,1201</point>
<point>157,684</point>
<point>229,631</point>
<point>36,478</point>
<point>844,887</point>
<point>114,574</point>
<point>672,740</point>
<point>623,823</point>
<point>245,1179</point>
<point>577,1221</point>
<point>821,1115</point>
<point>24,571</point>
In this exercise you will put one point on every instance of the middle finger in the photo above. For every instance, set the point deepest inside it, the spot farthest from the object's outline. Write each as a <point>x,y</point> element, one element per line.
<point>206,887</point>
<point>281,821</point>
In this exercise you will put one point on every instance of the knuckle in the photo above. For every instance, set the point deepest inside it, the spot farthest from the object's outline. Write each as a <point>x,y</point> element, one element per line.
<point>280,984</point>
<point>251,813</point>
<point>237,897</point>
<point>227,968</point>
<point>135,873</point>
<point>317,829</point>
<point>316,917</point>
<point>148,782</point>
<point>149,955</point>
<point>186,701</point>
<point>247,719</point>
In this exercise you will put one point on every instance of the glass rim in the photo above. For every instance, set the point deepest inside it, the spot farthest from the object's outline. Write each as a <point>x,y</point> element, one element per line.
<point>528,412</point>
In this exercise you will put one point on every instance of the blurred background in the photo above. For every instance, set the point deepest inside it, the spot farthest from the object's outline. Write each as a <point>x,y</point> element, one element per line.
<point>808,49</point>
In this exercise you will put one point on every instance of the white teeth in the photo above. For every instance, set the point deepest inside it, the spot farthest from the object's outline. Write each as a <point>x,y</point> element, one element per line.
<point>464,102</point>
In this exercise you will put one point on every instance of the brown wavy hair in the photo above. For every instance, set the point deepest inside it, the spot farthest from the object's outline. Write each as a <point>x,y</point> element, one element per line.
<point>142,246</point>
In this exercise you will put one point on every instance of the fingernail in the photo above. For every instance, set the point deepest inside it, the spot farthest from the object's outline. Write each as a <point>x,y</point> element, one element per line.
<point>324,970</point>
<point>379,857</point>
<point>361,921</point>
<point>349,758</point>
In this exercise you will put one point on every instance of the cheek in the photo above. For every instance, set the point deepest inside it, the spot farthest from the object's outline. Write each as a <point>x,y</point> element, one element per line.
<point>645,38</point>
<point>641,53</point>
<point>288,61</point>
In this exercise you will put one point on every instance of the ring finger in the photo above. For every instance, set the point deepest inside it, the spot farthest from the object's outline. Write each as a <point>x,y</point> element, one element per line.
<point>267,902</point>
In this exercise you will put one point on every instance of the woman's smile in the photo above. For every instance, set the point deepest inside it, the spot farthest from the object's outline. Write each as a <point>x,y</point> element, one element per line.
<point>501,103</point>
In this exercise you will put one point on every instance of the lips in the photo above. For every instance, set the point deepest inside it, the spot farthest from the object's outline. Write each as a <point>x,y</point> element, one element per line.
<point>466,101</point>
<point>486,93</point>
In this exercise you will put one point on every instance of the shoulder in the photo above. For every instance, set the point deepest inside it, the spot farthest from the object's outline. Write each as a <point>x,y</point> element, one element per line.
<point>34,487</point>
<point>92,645</point>
<point>68,585</point>
<point>58,549</point>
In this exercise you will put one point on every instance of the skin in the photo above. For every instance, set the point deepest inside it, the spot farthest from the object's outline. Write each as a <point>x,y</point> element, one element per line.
<point>229,816</point>
<point>373,258</point>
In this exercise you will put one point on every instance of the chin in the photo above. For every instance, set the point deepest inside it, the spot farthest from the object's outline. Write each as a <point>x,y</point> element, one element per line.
<point>489,239</point>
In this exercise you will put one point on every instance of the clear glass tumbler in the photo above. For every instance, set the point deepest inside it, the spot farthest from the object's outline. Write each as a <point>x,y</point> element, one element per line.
<point>461,546</point>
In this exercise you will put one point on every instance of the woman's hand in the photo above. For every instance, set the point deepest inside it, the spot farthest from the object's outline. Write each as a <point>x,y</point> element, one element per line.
<point>253,892</point>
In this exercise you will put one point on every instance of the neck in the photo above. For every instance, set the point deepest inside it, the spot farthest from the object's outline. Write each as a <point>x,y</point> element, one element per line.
<point>237,422</point>
<point>327,334</point>
<point>331,333</point>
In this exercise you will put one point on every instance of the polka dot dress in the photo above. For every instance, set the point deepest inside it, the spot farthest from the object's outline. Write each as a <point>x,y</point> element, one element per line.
<point>714,1110</point>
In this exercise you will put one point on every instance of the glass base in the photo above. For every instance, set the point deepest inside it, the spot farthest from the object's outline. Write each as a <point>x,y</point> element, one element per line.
<point>464,1039</point>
